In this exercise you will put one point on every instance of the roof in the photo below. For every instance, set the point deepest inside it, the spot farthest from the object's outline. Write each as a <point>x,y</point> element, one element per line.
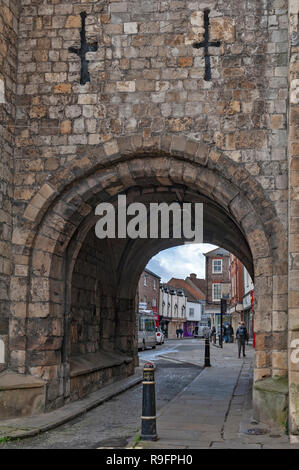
<point>217,252</point>
<point>192,294</point>
<point>199,283</point>
<point>152,274</point>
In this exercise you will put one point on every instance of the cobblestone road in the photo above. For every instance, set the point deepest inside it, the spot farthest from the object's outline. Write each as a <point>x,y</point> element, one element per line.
<point>117,421</point>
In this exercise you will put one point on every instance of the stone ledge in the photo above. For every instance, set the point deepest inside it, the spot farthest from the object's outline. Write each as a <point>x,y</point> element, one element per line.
<point>91,362</point>
<point>21,395</point>
<point>12,381</point>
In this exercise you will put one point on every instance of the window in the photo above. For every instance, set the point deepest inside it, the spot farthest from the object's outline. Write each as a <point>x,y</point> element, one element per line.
<point>145,280</point>
<point>154,303</point>
<point>149,325</point>
<point>216,291</point>
<point>191,312</point>
<point>154,284</point>
<point>175,312</point>
<point>217,266</point>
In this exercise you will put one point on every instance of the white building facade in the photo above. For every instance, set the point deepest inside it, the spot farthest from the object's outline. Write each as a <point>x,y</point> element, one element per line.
<point>173,307</point>
<point>247,302</point>
<point>193,318</point>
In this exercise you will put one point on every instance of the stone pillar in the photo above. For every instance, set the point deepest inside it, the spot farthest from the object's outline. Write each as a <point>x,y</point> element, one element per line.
<point>9,17</point>
<point>293,284</point>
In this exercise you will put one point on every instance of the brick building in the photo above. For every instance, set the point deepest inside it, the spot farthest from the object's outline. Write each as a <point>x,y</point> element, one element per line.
<point>217,284</point>
<point>149,290</point>
<point>197,283</point>
<point>147,115</point>
<point>236,291</point>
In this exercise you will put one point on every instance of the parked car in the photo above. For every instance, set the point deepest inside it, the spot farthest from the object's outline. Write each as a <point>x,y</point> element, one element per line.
<point>160,337</point>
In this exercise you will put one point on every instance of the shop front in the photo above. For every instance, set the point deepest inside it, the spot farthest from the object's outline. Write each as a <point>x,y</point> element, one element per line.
<point>190,328</point>
<point>163,324</point>
<point>248,314</point>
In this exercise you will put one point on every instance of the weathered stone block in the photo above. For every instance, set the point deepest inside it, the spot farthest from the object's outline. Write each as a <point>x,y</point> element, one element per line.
<point>21,395</point>
<point>73,22</point>
<point>270,397</point>
<point>126,87</point>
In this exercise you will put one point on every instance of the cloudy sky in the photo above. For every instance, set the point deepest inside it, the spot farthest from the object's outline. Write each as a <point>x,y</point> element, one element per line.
<point>180,261</point>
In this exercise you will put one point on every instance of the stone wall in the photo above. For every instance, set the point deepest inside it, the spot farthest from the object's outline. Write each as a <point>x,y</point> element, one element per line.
<point>9,13</point>
<point>86,300</point>
<point>147,78</point>
<point>293,280</point>
<point>225,138</point>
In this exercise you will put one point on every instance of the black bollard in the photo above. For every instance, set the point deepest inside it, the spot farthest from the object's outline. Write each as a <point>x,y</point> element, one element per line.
<point>148,418</point>
<point>207,352</point>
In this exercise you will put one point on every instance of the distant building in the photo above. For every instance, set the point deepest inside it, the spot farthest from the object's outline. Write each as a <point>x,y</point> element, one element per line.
<point>236,291</point>
<point>149,292</point>
<point>248,299</point>
<point>197,283</point>
<point>217,284</point>
<point>200,286</point>
<point>194,308</point>
<point>173,303</point>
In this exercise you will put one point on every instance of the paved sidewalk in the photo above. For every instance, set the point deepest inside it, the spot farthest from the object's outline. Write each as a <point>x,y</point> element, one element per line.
<point>214,410</point>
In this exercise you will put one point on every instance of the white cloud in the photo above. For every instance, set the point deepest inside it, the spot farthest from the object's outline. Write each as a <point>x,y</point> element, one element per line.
<point>180,261</point>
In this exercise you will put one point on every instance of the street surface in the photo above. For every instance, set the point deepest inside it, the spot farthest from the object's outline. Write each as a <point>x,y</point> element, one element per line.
<point>196,407</point>
<point>116,422</point>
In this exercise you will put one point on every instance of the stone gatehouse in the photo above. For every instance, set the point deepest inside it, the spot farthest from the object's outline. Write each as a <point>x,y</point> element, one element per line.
<point>161,100</point>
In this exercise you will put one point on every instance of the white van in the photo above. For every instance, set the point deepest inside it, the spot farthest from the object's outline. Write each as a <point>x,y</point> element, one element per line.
<point>146,329</point>
<point>203,329</point>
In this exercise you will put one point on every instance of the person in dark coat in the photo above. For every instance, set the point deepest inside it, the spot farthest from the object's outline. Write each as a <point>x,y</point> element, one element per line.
<point>225,333</point>
<point>213,334</point>
<point>242,337</point>
<point>230,332</point>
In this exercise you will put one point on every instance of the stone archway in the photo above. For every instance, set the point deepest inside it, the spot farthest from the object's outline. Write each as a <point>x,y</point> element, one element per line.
<point>60,216</point>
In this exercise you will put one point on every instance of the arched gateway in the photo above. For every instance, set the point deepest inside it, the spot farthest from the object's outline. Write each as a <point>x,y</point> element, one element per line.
<point>77,282</point>
<point>176,102</point>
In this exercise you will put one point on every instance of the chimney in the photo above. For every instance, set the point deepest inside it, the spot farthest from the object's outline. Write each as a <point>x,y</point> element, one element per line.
<point>193,276</point>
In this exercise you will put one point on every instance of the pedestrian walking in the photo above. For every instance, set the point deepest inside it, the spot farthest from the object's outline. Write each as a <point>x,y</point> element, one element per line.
<point>242,337</point>
<point>213,334</point>
<point>230,332</point>
<point>177,333</point>
<point>225,334</point>
<point>181,332</point>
